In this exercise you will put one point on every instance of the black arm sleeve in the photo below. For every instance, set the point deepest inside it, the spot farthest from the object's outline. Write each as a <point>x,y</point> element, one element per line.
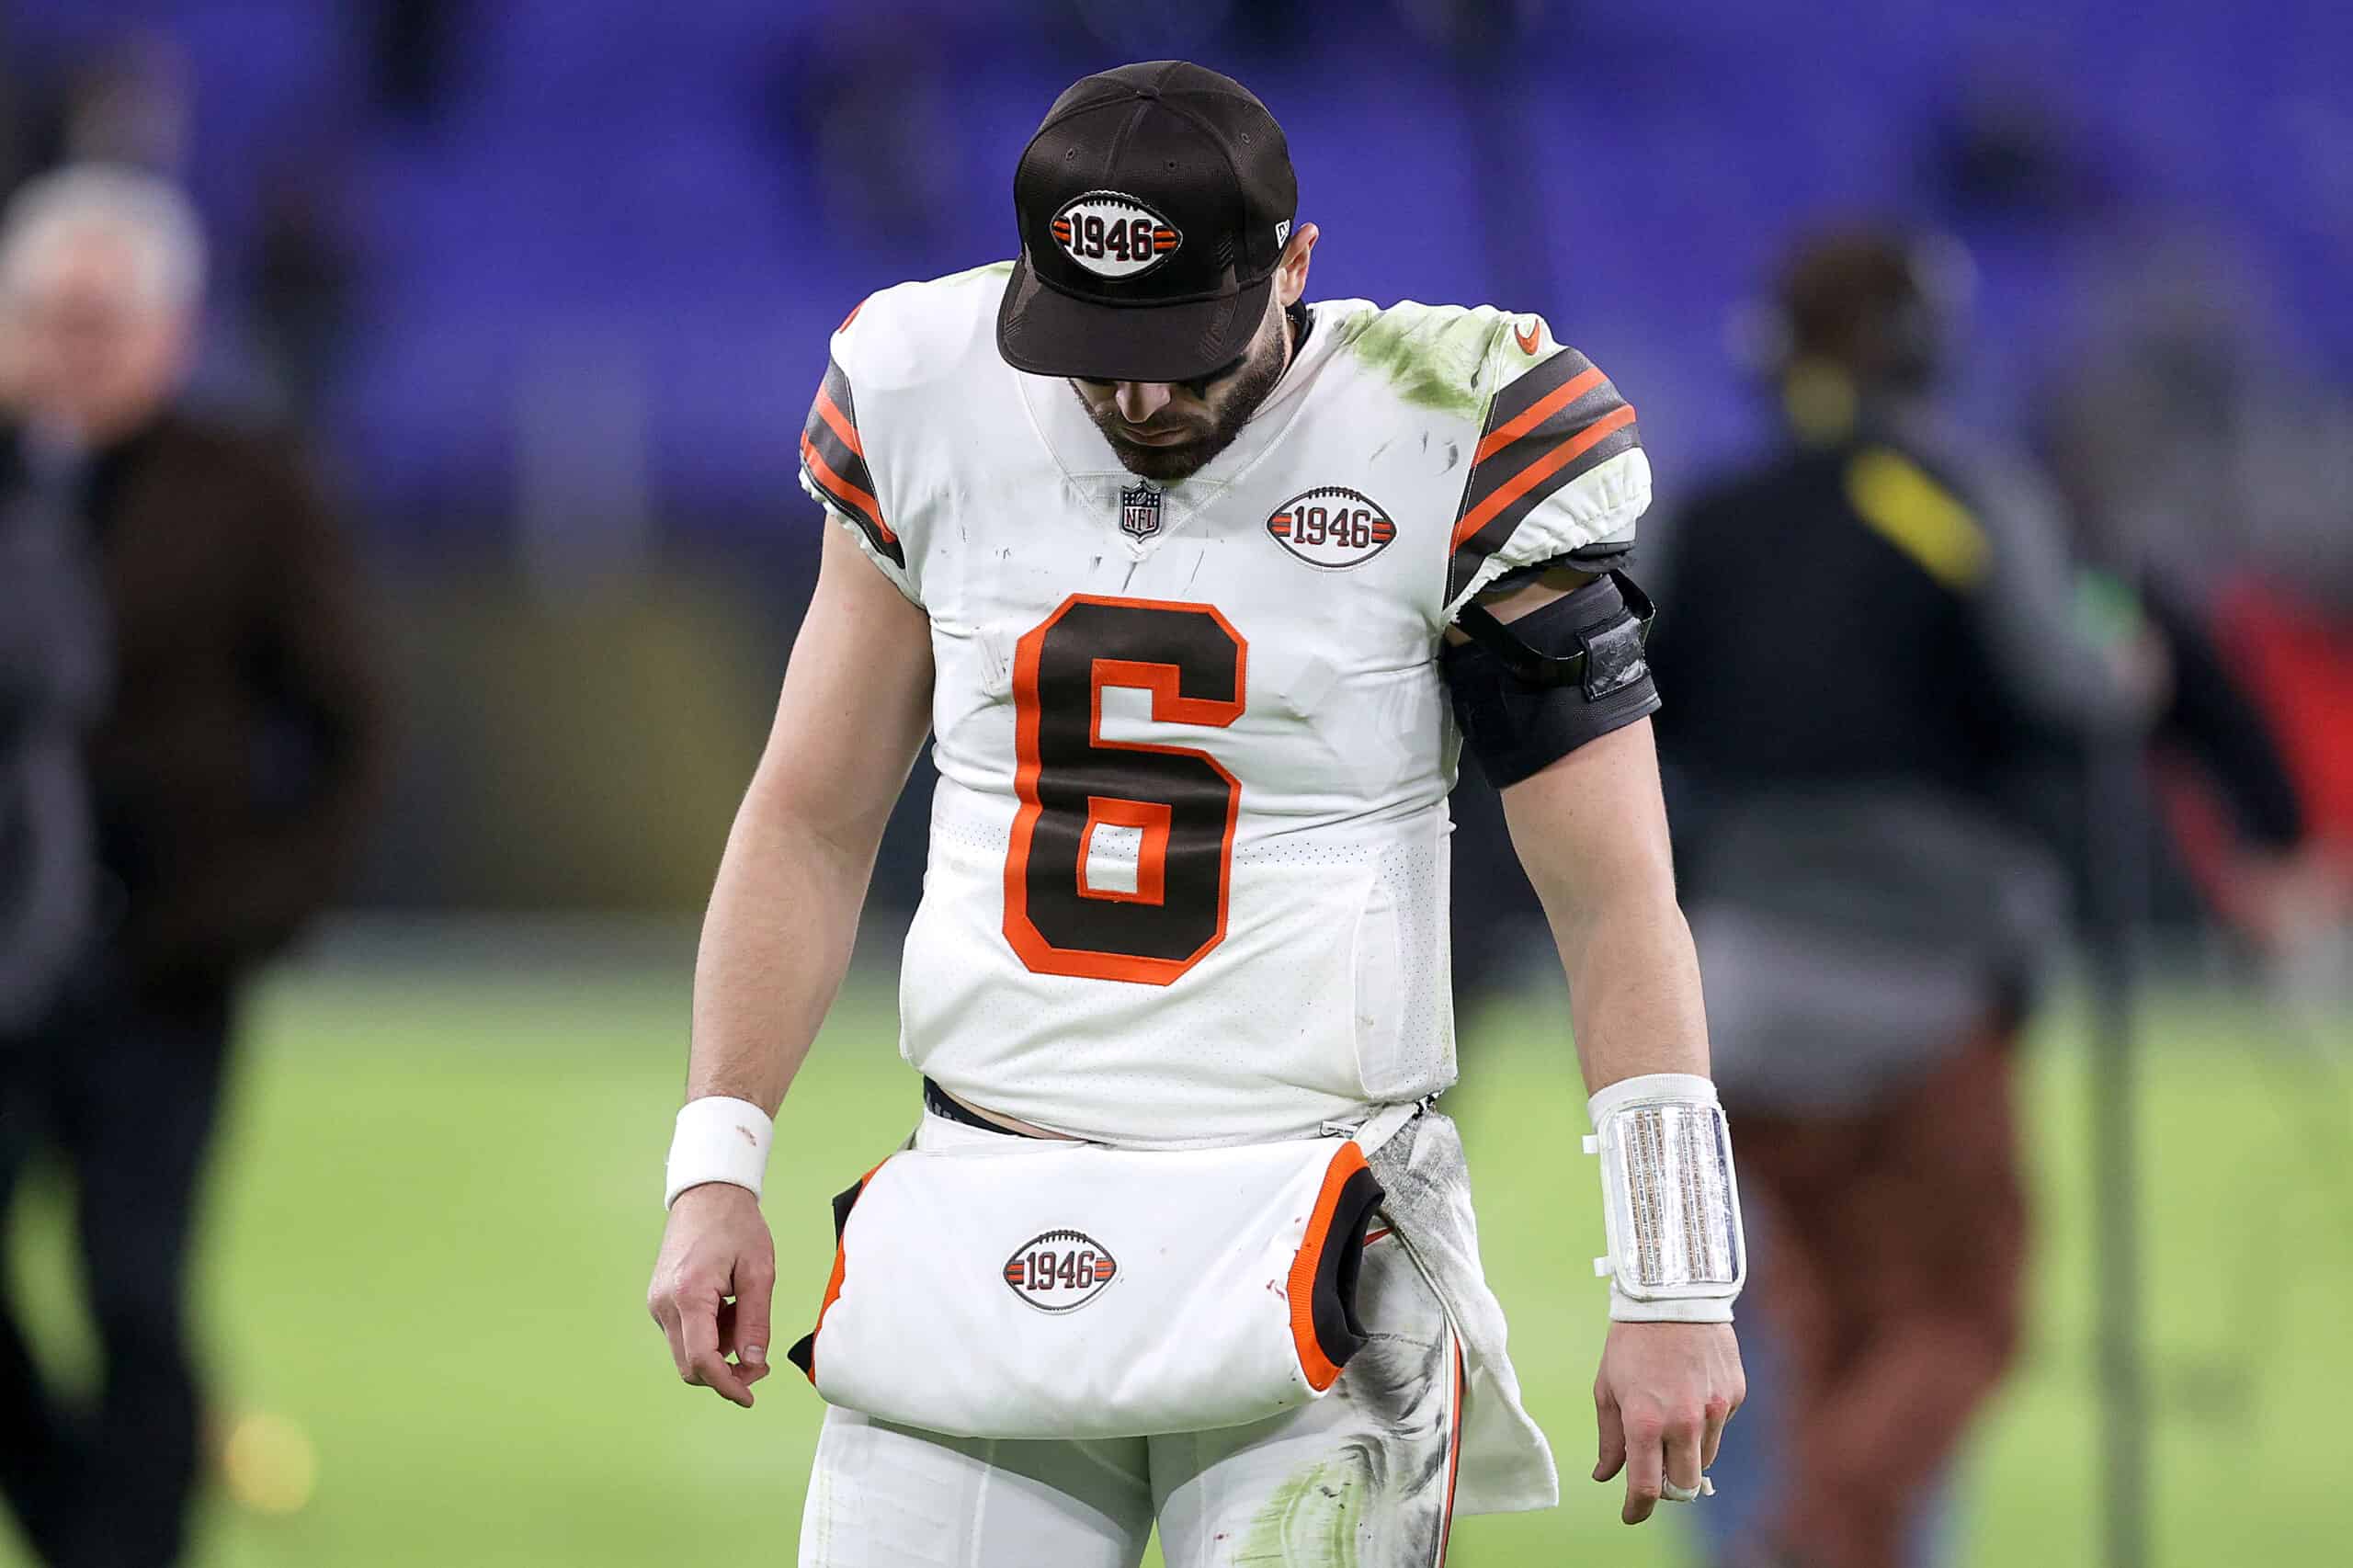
<point>1528,693</point>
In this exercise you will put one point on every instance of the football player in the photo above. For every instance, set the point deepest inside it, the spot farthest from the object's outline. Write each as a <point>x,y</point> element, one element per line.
<point>1199,589</point>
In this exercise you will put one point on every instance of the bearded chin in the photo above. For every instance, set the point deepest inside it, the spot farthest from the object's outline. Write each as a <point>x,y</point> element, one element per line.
<point>1173,465</point>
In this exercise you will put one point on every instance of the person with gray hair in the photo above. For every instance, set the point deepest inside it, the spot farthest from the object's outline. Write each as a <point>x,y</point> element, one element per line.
<point>102,274</point>
<point>227,777</point>
<point>146,209</point>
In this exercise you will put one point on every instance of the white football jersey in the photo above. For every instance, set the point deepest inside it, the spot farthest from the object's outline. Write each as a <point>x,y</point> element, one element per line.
<point>1187,876</point>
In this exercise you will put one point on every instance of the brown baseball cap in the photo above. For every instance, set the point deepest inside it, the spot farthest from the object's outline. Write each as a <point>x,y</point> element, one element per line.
<point>1154,205</point>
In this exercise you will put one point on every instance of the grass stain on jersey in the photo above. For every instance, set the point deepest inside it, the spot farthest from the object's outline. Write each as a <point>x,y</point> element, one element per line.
<point>997,269</point>
<point>1311,1520</point>
<point>1433,356</point>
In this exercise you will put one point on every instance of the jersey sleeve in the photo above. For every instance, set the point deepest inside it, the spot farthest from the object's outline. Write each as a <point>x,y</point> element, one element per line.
<point>835,472</point>
<point>1559,470</point>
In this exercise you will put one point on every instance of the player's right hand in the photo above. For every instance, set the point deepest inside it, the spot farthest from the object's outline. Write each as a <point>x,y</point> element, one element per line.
<point>714,1285</point>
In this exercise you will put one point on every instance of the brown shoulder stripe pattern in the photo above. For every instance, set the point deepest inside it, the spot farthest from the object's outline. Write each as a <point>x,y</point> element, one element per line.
<point>835,461</point>
<point>1560,420</point>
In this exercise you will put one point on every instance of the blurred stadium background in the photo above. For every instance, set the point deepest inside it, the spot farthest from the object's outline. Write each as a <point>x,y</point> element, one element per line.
<point>546,286</point>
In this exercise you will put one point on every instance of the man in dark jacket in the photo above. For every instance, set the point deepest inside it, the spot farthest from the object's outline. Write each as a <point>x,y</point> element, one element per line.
<point>230,776</point>
<point>52,678</point>
<point>1868,911</point>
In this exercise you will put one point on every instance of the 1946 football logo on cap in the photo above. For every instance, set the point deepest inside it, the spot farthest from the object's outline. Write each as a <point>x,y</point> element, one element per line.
<point>1059,1270</point>
<point>1332,527</point>
<point>1114,235</point>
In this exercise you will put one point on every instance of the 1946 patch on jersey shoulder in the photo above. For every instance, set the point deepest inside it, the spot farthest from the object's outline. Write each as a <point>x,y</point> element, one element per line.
<point>1332,527</point>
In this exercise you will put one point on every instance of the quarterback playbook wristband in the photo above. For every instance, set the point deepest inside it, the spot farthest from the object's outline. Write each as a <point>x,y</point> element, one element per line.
<point>1669,1200</point>
<point>718,1139</point>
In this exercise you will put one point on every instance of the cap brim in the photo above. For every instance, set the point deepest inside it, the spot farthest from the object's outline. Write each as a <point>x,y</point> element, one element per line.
<point>1047,333</point>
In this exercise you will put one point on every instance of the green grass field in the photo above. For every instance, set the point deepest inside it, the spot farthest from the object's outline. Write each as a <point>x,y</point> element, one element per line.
<point>437,1200</point>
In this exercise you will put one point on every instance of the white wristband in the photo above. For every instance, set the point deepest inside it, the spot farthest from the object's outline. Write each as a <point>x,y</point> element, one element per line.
<point>719,1140</point>
<point>1669,1199</point>
<point>1625,1308</point>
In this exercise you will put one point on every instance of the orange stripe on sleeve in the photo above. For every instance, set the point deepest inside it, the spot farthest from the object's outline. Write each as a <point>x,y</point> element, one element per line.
<point>1560,397</point>
<point>830,412</point>
<point>1535,473</point>
<point>841,1270</point>
<point>835,485</point>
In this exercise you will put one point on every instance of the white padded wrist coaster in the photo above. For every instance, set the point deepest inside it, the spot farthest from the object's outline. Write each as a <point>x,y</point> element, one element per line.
<point>1669,1200</point>
<point>718,1139</point>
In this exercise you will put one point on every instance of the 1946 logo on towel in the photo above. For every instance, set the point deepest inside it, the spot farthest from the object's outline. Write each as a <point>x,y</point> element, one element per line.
<point>1059,1270</point>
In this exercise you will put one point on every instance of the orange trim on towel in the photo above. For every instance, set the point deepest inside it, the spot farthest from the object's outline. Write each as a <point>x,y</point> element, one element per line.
<point>841,1266</point>
<point>1320,1372</point>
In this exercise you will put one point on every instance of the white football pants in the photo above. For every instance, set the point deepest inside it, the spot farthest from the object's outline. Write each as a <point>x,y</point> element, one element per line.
<point>1363,1475</point>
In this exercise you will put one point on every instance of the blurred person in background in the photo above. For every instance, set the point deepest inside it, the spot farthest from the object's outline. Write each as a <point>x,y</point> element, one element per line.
<point>53,677</point>
<point>52,671</point>
<point>1868,915</point>
<point>230,776</point>
<point>2292,635</point>
<point>2204,467</point>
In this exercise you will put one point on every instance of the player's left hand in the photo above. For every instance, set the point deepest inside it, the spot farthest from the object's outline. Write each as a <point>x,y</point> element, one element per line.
<point>1664,1393</point>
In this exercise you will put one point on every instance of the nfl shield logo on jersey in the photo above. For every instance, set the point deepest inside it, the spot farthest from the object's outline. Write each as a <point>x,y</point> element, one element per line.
<point>1140,512</point>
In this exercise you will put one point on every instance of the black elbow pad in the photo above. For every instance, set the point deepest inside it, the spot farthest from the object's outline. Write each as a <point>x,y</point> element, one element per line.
<point>1528,694</point>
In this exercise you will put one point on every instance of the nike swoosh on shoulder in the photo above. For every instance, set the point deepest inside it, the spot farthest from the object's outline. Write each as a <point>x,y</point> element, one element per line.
<point>1529,337</point>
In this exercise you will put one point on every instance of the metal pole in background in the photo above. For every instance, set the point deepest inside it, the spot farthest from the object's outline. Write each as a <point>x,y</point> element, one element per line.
<point>2117,826</point>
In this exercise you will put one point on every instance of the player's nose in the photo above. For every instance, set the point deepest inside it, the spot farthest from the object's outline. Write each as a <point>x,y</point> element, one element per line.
<point>1138,400</point>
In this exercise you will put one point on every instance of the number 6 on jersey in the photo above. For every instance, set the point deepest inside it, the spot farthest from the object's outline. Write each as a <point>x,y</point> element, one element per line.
<point>1072,783</point>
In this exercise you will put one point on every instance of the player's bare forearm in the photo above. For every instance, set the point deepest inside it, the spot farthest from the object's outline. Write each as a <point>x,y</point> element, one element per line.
<point>784,909</point>
<point>1591,830</point>
<point>775,942</point>
<point>776,939</point>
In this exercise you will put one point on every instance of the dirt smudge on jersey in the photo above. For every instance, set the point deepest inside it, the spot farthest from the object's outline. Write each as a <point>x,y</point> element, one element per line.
<point>1313,1519</point>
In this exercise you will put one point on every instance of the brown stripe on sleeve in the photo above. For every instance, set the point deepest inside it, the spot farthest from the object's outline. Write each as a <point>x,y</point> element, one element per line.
<point>1577,407</point>
<point>834,455</point>
<point>1513,404</point>
<point>1561,419</point>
